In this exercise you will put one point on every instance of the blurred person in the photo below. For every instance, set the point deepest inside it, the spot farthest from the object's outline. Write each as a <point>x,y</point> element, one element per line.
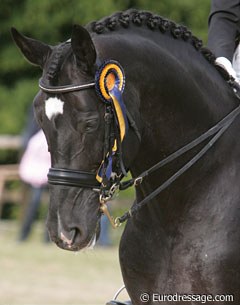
<point>33,169</point>
<point>223,35</point>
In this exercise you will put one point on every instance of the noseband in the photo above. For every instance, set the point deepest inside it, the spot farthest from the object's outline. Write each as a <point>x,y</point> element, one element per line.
<point>59,176</point>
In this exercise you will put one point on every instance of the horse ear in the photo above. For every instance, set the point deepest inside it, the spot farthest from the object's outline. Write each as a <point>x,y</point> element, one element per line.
<point>83,48</point>
<point>36,52</point>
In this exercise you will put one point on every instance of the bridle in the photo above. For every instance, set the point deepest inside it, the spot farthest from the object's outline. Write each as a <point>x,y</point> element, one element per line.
<point>109,85</point>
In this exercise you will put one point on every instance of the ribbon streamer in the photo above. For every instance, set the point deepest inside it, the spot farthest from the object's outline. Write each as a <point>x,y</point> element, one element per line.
<point>110,82</point>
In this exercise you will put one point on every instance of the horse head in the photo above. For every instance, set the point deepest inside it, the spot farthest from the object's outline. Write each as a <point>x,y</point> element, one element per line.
<point>74,123</point>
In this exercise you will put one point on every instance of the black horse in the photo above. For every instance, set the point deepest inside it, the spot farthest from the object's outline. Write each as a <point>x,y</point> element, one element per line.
<point>186,239</point>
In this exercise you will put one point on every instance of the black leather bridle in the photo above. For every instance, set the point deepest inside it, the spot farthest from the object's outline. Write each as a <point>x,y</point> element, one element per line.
<point>83,179</point>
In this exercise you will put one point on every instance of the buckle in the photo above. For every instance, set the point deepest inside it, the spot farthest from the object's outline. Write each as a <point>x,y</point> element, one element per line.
<point>138,181</point>
<point>107,195</point>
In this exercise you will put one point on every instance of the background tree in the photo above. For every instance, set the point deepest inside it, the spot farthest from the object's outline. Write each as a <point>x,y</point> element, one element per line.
<point>51,21</point>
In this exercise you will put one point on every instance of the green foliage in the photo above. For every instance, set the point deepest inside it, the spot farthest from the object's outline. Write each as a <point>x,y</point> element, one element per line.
<point>15,101</point>
<point>51,22</point>
<point>191,13</point>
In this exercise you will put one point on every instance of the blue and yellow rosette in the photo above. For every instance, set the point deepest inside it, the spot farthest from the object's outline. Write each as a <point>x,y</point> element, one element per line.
<point>110,82</point>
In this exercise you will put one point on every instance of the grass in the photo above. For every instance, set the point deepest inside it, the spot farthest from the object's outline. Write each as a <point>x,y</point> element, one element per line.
<point>36,273</point>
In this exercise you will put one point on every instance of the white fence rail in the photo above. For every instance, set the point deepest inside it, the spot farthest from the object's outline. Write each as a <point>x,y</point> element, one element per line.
<point>8,172</point>
<point>10,142</point>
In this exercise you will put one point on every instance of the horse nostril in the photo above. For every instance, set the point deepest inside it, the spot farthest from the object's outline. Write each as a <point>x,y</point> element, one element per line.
<point>68,237</point>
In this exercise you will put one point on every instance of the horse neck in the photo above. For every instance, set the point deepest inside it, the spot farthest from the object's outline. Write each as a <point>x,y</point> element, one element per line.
<point>173,92</point>
<point>179,100</point>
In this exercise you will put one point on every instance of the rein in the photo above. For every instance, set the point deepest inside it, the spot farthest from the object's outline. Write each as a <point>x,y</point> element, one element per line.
<point>109,85</point>
<point>217,130</point>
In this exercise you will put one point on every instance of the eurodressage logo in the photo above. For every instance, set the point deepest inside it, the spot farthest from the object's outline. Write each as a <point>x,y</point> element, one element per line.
<point>202,298</point>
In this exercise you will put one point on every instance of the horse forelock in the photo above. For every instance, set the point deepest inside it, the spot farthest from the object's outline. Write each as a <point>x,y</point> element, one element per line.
<point>57,59</point>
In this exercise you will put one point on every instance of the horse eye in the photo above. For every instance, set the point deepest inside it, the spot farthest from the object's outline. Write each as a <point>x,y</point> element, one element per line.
<point>91,125</point>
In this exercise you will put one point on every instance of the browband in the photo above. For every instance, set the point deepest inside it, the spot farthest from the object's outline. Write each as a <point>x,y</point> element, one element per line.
<point>64,89</point>
<point>60,176</point>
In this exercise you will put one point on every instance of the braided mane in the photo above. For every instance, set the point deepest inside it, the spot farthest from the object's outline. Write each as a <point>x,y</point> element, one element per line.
<point>124,20</point>
<point>153,22</point>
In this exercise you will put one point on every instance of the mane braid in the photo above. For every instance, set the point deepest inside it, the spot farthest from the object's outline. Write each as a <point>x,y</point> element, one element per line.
<point>153,22</point>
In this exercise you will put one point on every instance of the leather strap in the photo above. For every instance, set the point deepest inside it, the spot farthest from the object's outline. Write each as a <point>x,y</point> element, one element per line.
<point>60,176</point>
